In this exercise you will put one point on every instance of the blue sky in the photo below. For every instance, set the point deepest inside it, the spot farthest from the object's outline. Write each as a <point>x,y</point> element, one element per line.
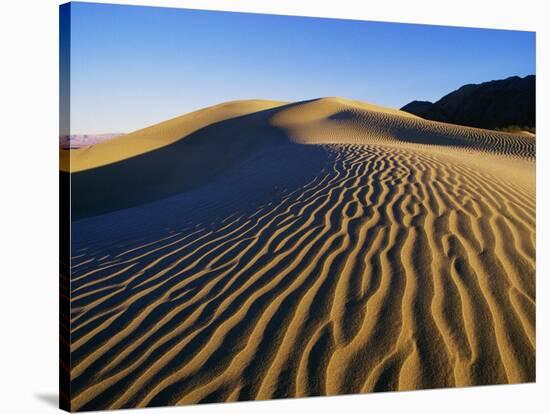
<point>133,66</point>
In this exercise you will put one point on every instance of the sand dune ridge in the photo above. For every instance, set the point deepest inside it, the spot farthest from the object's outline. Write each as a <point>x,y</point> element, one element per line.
<point>349,249</point>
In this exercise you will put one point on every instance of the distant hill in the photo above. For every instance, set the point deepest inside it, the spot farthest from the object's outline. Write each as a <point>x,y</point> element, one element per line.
<point>85,140</point>
<point>507,104</point>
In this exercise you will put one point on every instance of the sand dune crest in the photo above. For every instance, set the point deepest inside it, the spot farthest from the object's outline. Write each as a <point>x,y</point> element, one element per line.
<point>333,247</point>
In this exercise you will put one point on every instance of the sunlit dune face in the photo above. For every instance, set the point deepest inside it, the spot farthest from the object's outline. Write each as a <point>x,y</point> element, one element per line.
<point>257,250</point>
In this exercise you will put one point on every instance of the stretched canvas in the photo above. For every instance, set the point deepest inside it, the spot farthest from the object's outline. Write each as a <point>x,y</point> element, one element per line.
<point>263,206</point>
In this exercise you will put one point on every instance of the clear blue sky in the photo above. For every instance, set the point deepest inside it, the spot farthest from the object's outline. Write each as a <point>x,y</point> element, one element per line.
<point>133,66</point>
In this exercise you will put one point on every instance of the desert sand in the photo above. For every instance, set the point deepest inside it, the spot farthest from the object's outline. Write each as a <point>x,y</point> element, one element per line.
<point>259,249</point>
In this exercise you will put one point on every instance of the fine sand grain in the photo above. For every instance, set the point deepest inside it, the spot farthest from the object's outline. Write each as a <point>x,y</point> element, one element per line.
<point>258,250</point>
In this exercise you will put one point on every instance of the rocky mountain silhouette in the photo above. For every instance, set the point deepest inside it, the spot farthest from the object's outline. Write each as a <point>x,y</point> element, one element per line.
<point>498,104</point>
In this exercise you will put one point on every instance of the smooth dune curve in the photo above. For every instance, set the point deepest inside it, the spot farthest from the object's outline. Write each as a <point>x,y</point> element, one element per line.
<point>341,248</point>
<point>156,136</point>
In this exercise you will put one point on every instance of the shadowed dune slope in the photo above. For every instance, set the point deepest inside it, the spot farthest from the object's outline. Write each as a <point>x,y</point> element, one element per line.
<point>316,248</point>
<point>157,136</point>
<point>190,150</point>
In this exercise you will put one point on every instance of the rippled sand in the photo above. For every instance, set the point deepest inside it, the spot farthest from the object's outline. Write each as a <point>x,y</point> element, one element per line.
<point>258,250</point>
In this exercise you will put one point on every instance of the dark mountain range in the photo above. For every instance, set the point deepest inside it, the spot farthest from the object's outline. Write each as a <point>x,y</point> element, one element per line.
<point>507,104</point>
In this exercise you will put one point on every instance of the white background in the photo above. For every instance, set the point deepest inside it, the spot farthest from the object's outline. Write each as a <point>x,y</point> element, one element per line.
<point>29,204</point>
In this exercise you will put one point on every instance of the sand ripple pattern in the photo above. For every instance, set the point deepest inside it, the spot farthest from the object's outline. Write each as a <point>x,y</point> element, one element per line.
<point>324,120</point>
<point>390,269</point>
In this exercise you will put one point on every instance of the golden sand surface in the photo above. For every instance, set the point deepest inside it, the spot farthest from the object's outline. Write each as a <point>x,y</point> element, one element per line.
<point>256,250</point>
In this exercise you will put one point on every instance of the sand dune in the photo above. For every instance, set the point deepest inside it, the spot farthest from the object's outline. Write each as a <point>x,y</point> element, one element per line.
<point>314,248</point>
<point>157,136</point>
